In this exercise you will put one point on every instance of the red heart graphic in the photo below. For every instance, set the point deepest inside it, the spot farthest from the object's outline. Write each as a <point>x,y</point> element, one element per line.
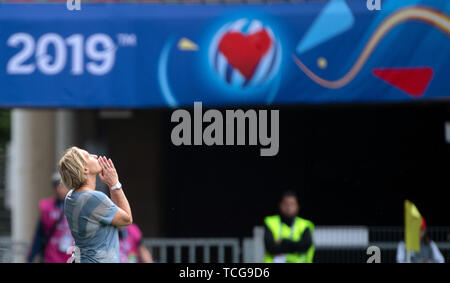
<point>244,52</point>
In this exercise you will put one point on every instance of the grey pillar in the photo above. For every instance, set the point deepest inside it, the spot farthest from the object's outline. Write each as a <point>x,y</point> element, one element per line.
<point>32,164</point>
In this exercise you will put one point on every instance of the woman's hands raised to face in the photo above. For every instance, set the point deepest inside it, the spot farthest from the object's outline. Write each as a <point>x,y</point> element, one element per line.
<point>109,174</point>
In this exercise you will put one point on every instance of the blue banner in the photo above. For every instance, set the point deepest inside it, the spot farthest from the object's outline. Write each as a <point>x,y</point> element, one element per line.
<point>168,55</point>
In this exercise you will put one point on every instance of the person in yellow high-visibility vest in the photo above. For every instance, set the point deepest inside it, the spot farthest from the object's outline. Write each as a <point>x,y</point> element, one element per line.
<point>288,238</point>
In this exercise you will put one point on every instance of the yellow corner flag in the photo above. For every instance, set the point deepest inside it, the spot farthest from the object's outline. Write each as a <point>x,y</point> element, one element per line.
<point>413,220</point>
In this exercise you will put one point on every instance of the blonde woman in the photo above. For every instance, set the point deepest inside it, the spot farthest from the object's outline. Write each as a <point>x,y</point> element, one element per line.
<point>93,217</point>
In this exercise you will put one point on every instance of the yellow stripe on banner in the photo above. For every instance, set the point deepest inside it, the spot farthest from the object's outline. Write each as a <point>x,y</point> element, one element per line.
<point>431,17</point>
<point>187,45</point>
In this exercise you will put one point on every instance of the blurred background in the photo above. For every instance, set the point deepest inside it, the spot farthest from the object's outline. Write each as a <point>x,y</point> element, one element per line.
<point>352,164</point>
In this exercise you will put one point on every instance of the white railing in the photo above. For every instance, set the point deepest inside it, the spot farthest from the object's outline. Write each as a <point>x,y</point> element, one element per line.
<point>204,250</point>
<point>12,251</point>
<point>333,244</point>
<point>339,244</point>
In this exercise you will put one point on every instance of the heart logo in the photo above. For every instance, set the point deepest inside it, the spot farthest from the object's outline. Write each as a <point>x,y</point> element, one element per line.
<point>244,52</point>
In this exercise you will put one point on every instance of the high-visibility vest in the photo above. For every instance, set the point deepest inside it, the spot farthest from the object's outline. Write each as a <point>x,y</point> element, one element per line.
<point>280,230</point>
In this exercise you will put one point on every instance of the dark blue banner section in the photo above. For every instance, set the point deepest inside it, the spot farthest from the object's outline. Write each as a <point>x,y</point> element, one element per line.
<point>169,55</point>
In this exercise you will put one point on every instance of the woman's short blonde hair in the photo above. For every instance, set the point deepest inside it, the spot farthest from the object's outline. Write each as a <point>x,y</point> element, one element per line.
<point>71,167</point>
